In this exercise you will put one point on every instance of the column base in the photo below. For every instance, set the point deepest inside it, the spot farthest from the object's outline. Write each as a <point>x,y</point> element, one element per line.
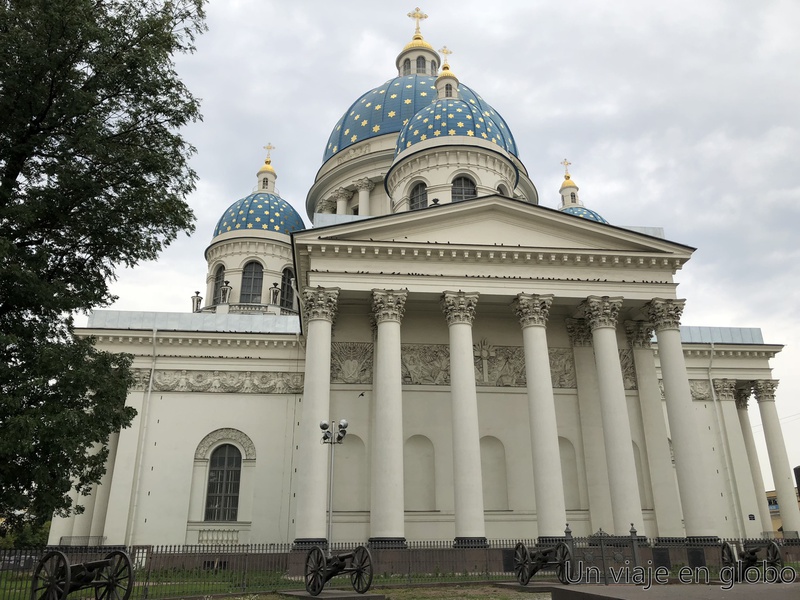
<point>385,543</point>
<point>308,543</point>
<point>470,542</point>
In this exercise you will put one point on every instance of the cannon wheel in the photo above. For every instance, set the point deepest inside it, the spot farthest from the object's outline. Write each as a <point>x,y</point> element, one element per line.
<point>361,575</point>
<point>51,579</point>
<point>522,563</point>
<point>728,555</point>
<point>117,578</point>
<point>563,562</point>
<point>316,563</point>
<point>774,558</point>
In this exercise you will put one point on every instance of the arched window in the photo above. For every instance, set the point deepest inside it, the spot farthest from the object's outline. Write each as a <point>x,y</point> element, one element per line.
<point>448,90</point>
<point>252,279</point>
<point>573,197</point>
<point>219,280</point>
<point>501,189</point>
<point>287,293</point>
<point>407,67</point>
<point>421,65</point>
<point>434,67</point>
<point>419,196</point>
<point>224,476</point>
<point>463,189</point>
<point>265,183</point>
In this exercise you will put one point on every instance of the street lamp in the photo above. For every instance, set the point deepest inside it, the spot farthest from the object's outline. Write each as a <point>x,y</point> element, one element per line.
<point>332,433</point>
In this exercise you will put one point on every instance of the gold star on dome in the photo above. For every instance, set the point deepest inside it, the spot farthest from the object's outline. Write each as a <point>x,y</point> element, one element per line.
<point>264,226</point>
<point>364,123</point>
<point>407,101</point>
<point>391,113</point>
<point>393,96</point>
<point>437,133</point>
<point>470,133</point>
<point>249,225</point>
<point>376,129</point>
<point>353,138</point>
<point>460,124</point>
<point>451,132</point>
<point>377,107</point>
<point>405,121</point>
<point>258,219</point>
<point>423,137</point>
<point>423,93</point>
<point>368,104</point>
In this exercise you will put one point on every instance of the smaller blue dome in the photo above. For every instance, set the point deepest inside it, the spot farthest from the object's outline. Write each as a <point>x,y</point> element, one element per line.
<point>260,211</point>
<point>580,211</point>
<point>451,117</point>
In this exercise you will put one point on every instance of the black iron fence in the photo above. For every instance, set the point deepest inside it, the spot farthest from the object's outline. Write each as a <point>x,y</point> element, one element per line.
<point>184,571</point>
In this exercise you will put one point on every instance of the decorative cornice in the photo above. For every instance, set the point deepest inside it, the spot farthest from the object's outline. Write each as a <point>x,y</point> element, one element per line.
<point>640,334</point>
<point>764,390</point>
<point>532,309</point>
<point>725,389</point>
<point>665,313</point>
<point>459,307</point>
<point>225,434</point>
<point>320,303</point>
<point>602,311</point>
<point>579,332</point>
<point>365,184</point>
<point>388,305</point>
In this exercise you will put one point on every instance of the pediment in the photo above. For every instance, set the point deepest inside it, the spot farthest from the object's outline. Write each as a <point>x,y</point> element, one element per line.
<point>496,221</point>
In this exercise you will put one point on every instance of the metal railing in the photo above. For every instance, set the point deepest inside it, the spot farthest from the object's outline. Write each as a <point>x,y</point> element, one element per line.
<point>207,570</point>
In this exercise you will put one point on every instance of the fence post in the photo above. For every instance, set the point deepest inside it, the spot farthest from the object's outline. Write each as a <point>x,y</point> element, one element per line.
<point>634,546</point>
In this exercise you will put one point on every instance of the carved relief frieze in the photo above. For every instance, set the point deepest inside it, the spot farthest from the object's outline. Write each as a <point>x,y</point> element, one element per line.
<point>141,379</point>
<point>628,370</point>
<point>351,362</point>
<point>425,364</point>
<point>562,368</point>
<point>504,367</point>
<point>701,389</point>
<point>243,382</point>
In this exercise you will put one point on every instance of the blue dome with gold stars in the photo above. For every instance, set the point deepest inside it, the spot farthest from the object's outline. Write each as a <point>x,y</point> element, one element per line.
<point>260,211</point>
<point>389,107</point>
<point>450,117</point>
<point>580,211</point>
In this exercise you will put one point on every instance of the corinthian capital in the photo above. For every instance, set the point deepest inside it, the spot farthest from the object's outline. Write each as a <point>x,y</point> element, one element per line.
<point>601,311</point>
<point>364,184</point>
<point>725,388</point>
<point>665,314</point>
<point>764,390</point>
<point>459,307</point>
<point>342,194</point>
<point>579,332</point>
<point>388,305</point>
<point>532,309</point>
<point>640,333</point>
<point>743,397</point>
<point>320,303</point>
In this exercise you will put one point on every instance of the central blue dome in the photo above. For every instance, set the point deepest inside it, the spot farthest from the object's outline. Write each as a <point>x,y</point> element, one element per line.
<point>581,211</point>
<point>260,211</point>
<point>388,107</point>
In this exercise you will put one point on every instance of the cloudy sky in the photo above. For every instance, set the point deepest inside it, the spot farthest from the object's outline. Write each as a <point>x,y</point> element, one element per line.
<point>680,114</point>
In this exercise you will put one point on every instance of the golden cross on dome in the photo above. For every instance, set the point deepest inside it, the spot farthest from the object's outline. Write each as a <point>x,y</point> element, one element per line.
<point>446,51</point>
<point>418,16</point>
<point>269,147</point>
<point>566,164</point>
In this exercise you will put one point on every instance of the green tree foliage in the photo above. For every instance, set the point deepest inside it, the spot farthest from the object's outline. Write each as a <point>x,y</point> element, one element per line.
<point>93,176</point>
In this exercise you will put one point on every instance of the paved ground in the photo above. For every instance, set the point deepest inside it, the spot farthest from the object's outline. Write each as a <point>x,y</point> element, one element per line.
<point>675,591</point>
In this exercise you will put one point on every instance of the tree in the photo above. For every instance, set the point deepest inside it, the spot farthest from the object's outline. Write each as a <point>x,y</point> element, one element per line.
<point>94,174</point>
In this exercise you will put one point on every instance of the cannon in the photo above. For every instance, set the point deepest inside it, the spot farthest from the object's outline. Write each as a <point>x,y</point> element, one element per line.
<point>54,578</point>
<point>320,569</point>
<point>748,558</point>
<point>528,562</point>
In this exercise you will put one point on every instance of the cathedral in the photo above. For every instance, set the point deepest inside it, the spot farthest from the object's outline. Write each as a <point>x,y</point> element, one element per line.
<point>506,364</point>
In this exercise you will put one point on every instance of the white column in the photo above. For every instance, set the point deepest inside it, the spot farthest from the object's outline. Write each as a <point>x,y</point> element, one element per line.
<point>594,453</point>
<point>551,514</point>
<point>741,480</point>
<point>459,309</point>
<point>387,516</point>
<point>778,459</point>
<point>364,187</point>
<point>659,458</point>
<point>342,196</point>
<point>692,477</point>
<point>319,310</point>
<point>742,398</point>
<point>626,506</point>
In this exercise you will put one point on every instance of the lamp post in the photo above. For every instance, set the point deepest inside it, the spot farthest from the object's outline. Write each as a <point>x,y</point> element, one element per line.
<point>332,433</point>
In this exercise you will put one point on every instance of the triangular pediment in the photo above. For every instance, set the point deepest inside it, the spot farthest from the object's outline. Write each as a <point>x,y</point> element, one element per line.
<point>496,221</point>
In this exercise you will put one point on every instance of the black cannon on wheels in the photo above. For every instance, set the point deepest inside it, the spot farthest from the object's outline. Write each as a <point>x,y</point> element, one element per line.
<point>110,577</point>
<point>528,562</point>
<point>320,569</point>
<point>748,557</point>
